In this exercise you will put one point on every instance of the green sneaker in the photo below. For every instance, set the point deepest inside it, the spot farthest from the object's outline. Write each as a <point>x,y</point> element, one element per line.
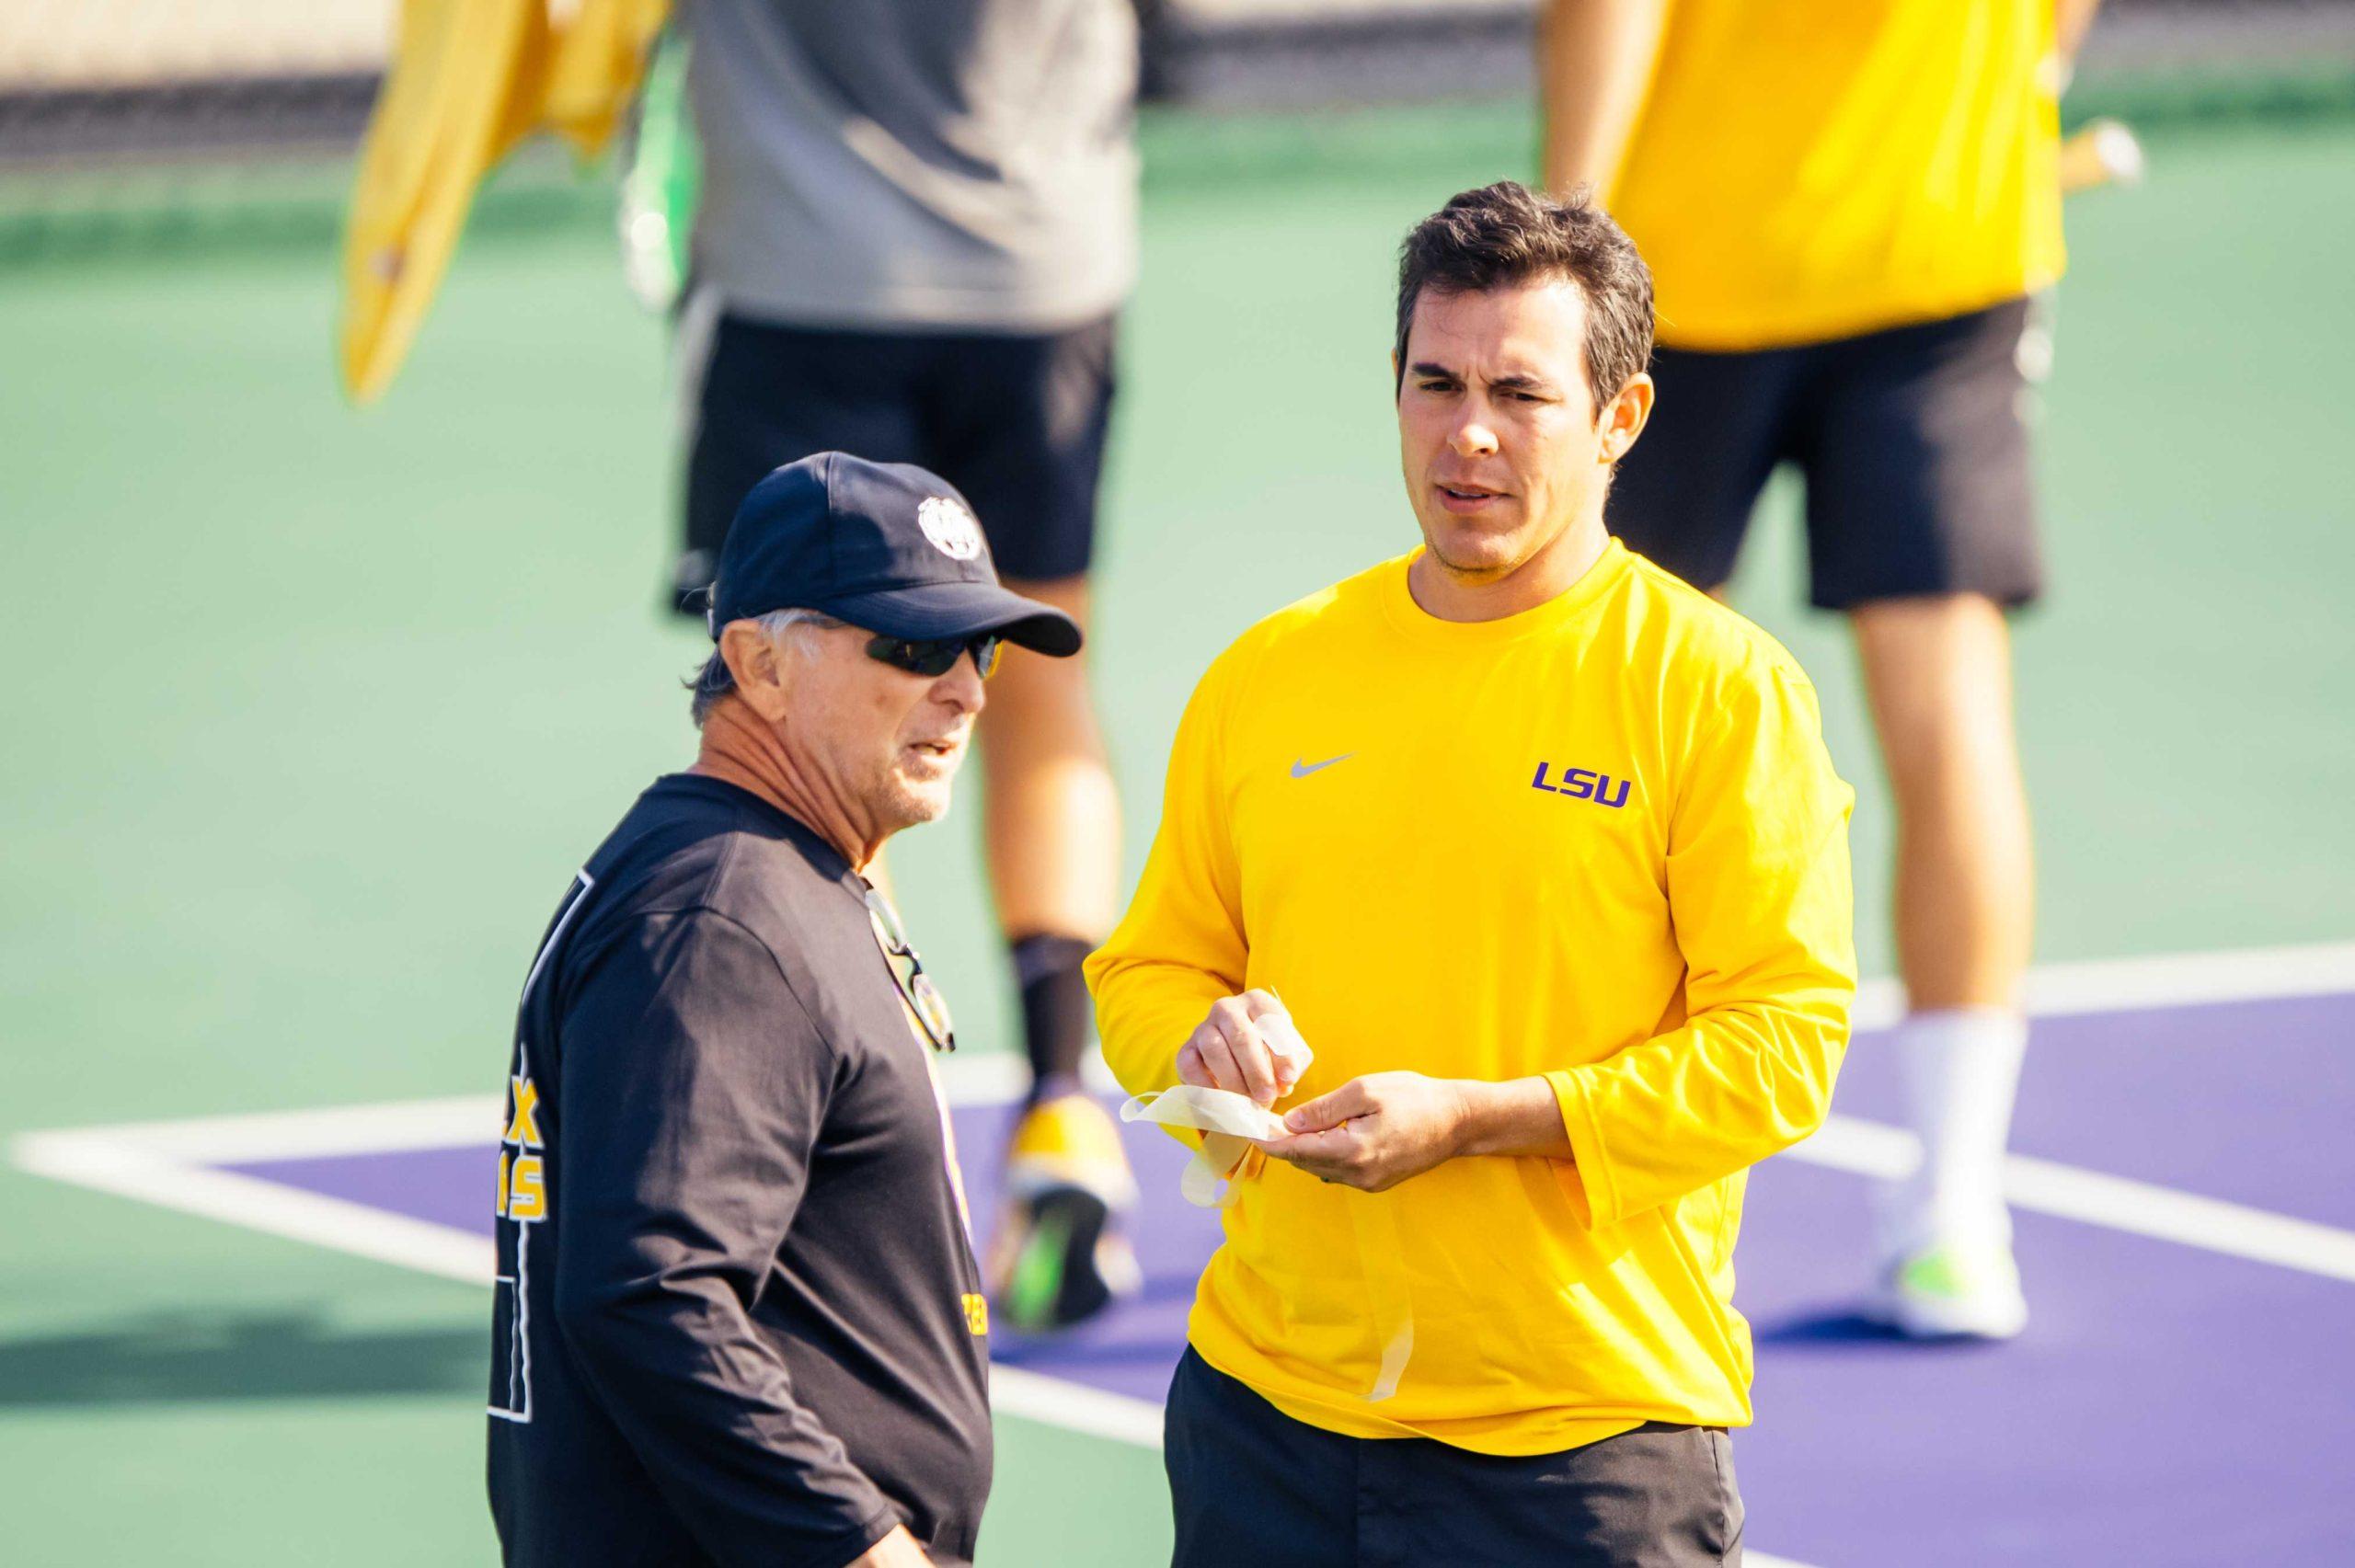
<point>1955,1292</point>
<point>1059,1257</point>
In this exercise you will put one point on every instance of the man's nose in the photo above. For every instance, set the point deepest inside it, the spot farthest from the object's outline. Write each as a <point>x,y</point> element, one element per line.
<point>962,688</point>
<point>1473,436</point>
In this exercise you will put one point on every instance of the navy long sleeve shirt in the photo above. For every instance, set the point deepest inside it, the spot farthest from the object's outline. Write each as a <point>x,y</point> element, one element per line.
<point>738,1320</point>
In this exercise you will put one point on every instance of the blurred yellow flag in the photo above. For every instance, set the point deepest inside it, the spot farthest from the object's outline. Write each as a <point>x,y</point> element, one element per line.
<point>470,80</point>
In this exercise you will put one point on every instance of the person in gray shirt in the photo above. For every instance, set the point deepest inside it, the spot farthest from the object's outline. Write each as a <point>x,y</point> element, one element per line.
<point>918,166</point>
<point>917,226</point>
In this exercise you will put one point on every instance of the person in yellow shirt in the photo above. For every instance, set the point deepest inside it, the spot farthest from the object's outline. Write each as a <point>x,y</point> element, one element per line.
<point>1540,851</point>
<point>1850,211</point>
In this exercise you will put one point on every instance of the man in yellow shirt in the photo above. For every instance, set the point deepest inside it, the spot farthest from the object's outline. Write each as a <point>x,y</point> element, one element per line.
<point>1848,210</point>
<point>1542,852</point>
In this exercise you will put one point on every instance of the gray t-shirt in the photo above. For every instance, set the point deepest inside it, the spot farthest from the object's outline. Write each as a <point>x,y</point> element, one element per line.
<point>901,163</point>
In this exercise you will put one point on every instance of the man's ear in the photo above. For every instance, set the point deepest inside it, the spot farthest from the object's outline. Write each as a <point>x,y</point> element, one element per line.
<point>760,669</point>
<point>1625,417</point>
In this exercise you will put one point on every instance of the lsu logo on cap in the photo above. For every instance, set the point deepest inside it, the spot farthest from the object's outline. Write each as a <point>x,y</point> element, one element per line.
<point>950,528</point>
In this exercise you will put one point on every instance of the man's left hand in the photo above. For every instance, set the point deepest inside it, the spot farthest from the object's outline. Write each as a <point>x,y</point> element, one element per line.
<point>1374,1132</point>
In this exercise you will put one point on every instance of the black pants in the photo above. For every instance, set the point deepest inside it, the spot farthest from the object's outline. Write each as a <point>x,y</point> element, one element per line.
<point>1015,421</point>
<point>1913,443</point>
<point>1250,1484</point>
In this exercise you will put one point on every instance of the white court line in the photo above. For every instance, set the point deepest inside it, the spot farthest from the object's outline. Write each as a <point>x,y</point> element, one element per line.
<point>2177,979</point>
<point>2093,1198</point>
<point>387,1127</point>
<point>161,1164</point>
<point>1056,1402</point>
<point>398,1126</point>
<point>2118,985</point>
<point>100,1158</point>
<point>169,1162</point>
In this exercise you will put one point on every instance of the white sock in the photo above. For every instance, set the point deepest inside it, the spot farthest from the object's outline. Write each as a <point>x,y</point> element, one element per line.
<point>1961,1069</point>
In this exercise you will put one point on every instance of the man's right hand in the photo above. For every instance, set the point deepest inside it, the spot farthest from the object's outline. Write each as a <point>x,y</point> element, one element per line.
<point>898,1550</point>
<point>1227,1050</point>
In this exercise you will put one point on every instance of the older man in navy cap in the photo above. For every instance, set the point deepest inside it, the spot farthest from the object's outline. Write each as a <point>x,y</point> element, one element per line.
<point>738,1318</point>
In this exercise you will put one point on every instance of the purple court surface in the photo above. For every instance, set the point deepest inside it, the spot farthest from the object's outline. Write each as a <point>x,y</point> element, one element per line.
<point>2169,1404</point>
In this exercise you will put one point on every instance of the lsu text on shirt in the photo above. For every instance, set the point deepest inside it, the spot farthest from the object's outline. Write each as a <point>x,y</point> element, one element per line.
<point>1800,173</point>
<point>1599,840</point>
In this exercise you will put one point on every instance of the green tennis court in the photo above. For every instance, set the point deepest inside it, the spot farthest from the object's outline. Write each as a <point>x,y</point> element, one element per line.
<point>311,713</point>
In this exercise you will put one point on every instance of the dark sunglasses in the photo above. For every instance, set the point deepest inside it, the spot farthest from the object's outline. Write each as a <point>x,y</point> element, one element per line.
<point>925,1004</point>
<point>934,657</point>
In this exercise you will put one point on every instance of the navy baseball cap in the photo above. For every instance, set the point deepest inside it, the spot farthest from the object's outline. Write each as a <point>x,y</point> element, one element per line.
<point>884,546</point>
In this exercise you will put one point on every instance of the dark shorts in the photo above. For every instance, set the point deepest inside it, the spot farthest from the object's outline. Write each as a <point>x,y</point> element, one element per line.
<point>1017,422</point>
<point>1912,441</point>
<point>1249,1484</point>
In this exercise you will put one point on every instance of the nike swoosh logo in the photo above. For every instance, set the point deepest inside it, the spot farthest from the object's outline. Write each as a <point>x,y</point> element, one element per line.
<point>1301,769</point>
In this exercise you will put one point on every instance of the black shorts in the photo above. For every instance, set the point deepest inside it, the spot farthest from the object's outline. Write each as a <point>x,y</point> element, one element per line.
<point>1015,421</point>
<point>1912,441</point>
<point>1248,1483</point>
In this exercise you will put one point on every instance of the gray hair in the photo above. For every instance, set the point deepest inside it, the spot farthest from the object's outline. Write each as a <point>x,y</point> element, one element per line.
<point>715,679</point>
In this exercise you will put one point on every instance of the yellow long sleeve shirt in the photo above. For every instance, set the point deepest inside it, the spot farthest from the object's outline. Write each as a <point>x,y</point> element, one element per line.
<point>1599,840</point>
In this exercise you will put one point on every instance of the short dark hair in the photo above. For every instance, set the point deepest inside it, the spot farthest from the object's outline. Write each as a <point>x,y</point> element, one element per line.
<point>1505,235</point>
